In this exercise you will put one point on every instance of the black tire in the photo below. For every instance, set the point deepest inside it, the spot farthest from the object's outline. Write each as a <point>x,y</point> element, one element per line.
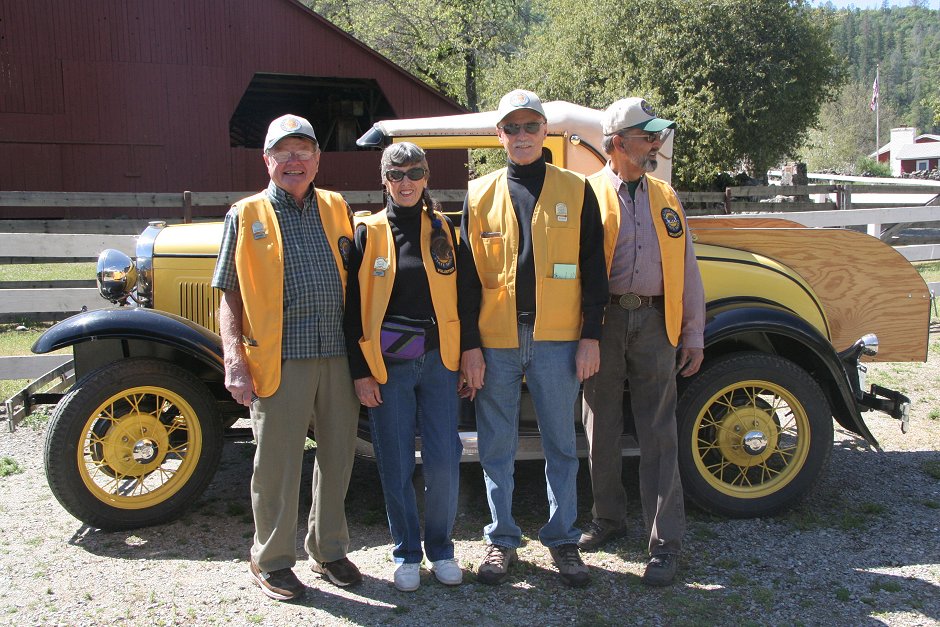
<point>755,435</point>
<point>133,444</point>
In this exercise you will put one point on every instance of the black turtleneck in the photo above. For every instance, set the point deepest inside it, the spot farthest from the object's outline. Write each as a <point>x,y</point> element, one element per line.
<point>411,293</point>
<point>525,186</point>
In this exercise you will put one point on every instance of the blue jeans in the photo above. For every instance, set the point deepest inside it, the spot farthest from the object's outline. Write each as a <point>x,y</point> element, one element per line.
<point>549,369</point>
<point>420,396</point>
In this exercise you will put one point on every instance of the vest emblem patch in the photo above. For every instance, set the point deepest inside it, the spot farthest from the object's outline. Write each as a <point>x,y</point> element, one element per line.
<point>380,266</point>
<point>444,264</point>
<point>257,230</point>
<point>672,222</point>
<point>561,212</point>
<point>344,244</point>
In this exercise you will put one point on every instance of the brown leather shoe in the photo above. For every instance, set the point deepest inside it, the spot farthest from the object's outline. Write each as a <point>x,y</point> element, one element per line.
<point>567,560</point>
<point>341,572</point>
<point>495,565</point>
<point>281,584</point>
<point>599,532</point>
<point>661,570</point>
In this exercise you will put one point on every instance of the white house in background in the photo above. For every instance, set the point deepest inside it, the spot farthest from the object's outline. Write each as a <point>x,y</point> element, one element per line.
<point>908,152</point>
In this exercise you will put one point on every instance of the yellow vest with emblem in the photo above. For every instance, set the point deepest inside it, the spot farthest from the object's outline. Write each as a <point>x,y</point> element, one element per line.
<point>556,239</point>
<point>671,247</point>
<point>376,291</point>
<point>259,263</point>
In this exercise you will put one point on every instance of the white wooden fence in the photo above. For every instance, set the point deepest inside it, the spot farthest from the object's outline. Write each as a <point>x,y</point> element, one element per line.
<point>54,298</point>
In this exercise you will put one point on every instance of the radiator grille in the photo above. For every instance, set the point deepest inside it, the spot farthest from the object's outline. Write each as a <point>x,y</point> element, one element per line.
<point>199,302</point>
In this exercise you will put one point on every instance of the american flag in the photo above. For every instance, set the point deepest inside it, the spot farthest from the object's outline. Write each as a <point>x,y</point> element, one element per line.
<point>874,95</point>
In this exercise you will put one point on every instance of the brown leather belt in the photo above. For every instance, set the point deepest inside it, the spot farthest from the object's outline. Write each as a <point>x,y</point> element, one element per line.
<point>633,301</point>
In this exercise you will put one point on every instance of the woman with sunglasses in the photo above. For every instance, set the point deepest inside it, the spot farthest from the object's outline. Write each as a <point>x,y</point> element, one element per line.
<point>403,343</point>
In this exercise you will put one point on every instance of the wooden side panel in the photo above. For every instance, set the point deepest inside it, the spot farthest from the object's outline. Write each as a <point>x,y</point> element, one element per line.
<point>738,222</point>
<point>865,285</point>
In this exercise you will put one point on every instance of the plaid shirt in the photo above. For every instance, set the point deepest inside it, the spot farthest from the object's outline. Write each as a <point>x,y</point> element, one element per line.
<point>313,293</point>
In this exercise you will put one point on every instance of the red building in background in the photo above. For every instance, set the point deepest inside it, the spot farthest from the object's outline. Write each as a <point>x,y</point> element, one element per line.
<point>909,152</point>
<point>144,96</point>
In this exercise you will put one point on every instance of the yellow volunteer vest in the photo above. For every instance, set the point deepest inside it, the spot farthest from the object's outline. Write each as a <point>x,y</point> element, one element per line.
<point>376,291</point>
<point>556,239</point>
<point>259,263</point>
<point>671,230</point>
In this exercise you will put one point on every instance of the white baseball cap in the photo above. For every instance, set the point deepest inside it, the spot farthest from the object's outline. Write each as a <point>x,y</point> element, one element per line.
<point>288,126</point>
<point>519,99</point>
<point>632,113</point>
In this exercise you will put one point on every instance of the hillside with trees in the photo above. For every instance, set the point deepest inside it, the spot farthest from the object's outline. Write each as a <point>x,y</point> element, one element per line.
<point>904,44</point>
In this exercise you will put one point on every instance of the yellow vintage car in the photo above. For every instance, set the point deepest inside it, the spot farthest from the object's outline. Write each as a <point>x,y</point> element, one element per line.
<point>792,314</point>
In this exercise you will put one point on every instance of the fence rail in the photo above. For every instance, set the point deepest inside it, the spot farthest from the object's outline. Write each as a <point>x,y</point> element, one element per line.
<point>83,239</point>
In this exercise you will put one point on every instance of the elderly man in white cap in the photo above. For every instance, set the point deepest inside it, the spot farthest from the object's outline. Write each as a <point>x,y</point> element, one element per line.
<point>282,269</point>
<point>532,290</point>
<point>653,329</point>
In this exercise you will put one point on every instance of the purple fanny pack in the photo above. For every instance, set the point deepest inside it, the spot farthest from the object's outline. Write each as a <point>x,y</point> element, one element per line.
<point>402,341</point>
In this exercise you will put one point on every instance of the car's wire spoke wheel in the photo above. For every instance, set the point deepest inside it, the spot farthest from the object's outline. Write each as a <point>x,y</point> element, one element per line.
<point>134,443</point>
<point>140,446</point>
<point>755,435</point>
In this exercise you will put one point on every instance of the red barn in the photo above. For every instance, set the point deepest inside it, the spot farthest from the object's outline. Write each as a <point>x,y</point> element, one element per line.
<point>143,96</point>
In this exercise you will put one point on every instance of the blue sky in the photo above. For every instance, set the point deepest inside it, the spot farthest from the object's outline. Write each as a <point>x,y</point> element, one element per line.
<point>872,4</point>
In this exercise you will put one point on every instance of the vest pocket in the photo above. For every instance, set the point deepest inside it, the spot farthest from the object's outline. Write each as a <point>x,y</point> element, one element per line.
<point>493,255</point>
<point>559,308</point>
<point>494,309</point>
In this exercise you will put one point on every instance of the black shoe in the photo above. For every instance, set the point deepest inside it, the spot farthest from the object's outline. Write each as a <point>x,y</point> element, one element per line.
<point>661,570</point>
<point>568,562</point>
<point>281,584</point>
<point>341,572</point>
<point>599,532</point>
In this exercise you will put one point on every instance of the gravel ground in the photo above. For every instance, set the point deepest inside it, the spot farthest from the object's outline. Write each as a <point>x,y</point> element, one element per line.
<point>864,549</point>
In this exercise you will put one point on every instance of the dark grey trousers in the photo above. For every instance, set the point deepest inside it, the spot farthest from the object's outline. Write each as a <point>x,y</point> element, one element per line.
<point>634,347</point>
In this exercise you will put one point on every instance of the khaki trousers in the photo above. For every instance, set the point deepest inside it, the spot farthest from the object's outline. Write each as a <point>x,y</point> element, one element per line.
<point>317,394</point>
<point>634,347</point>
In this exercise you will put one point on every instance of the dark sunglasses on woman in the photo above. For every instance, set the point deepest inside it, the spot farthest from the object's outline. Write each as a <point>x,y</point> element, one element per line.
<point>414,174</point>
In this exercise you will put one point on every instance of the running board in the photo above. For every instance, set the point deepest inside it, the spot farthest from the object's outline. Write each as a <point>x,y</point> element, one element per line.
<point>530,447</point>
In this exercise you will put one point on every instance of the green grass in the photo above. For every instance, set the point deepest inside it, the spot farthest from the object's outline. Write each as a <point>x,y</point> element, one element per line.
<point>13,342</point>
<point>932,468</point>
<point>9,387</point>
<point>930,270</point>
<point>9,466</point>
<point>47,271</point>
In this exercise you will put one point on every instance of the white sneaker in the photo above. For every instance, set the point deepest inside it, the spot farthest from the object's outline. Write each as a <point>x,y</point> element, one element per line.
<point>447,572</point>
<point>408,577</point>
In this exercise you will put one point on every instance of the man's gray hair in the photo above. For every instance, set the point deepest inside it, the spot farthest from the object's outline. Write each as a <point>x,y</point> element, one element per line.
<point>401,154</point>
<point>608,143</point>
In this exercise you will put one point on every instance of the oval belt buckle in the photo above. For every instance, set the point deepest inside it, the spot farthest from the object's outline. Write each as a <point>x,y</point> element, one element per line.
<point>630,301</point>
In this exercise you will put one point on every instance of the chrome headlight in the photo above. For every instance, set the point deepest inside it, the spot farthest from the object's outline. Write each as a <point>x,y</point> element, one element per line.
<point>869,344</point>
<point>117,276</point>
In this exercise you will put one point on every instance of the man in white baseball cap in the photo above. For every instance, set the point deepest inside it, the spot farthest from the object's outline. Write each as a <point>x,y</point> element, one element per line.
<point>282,269</point>
<point>633,113</point>
<point>532,289</point>
<point>653,329</point>
<point>288,126</point>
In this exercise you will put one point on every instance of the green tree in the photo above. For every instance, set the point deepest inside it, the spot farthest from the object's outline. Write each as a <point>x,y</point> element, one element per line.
<point>745,79</point>
<point>846,131</point>
<point>447,43</point>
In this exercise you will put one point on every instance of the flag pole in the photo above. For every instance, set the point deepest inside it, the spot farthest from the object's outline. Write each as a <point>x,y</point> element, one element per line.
<point>877,114</point>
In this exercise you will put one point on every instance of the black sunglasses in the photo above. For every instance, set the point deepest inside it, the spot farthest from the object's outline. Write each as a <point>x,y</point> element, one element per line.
<point>414,174</point>
<point>649,137</point>
<point>530,127</point>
